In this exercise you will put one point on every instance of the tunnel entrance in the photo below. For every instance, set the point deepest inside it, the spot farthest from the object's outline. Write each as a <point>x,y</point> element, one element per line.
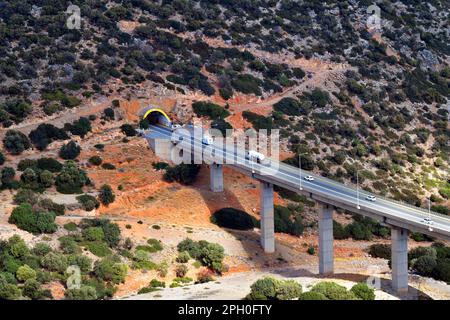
<point>157,116</point>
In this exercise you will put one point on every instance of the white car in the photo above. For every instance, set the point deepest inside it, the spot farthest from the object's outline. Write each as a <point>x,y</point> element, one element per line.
<point>309,178</point>
<point>208,140</point>
<point>371,198</point>
<point>427,221</point>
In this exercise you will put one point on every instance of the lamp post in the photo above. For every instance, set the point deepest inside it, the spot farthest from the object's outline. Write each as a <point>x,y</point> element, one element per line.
<point>300,168</point>
<point>357,189</point>
<point>429,213</point>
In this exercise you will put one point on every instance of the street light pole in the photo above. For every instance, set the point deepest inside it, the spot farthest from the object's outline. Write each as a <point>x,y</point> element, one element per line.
<point>357,189</point>
<point>300,169</point>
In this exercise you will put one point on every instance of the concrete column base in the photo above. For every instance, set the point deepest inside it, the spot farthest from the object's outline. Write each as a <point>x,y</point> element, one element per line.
<point>216,176</point>
<point>267,218</point>
<point>399,260</point>
<point>326,264</point>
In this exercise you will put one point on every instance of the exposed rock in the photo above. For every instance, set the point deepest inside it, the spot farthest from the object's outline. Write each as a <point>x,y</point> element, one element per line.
<point>428,61</point>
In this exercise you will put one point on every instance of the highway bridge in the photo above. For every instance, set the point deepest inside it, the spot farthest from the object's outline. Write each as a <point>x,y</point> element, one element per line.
<point>329,194</point>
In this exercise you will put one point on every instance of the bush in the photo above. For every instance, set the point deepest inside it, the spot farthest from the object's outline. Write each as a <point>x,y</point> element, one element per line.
<point>333,291</point>
<point>442,270</point>
<point>24,218</point>
<point>108,166</point>
<point>49,164</point>
<point>310,295</point>
<point>45,134</point>
<point>32,289</point>
<point>93,234</point>
<point>182,173</point>
<point>363,291</point>
<point>288,290</point>
<point>55,262</point>
<point>208,109</point>
<point>183,257</point>
<point>69,151</point>
<point>270,288</point>
<point>380,251</point>
<point>181,270</point>
<point>71,226</point>
<point>25,196</point>
<point>95,160</point>
<point>263,289</point>
<point>70,179</point>
<point>2,158</point>
<point>106,195</point>
<point>25,273</point>
<point>9,291</point>
<point>100,249</point>
<point>209,254</point>
<point>16,142</point>
<point>286,221</point>
<point>128,130</point>
<point>424,265</point>
<point>88,202</point>
<point>109,269</point>
<point>233,219</point>
<point>79,127</point>
<point>83,293</point>
<point>49,205</point>
<point>339,231</point>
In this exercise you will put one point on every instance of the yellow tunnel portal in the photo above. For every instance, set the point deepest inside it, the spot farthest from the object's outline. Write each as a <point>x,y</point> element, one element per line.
<point>157,116</point>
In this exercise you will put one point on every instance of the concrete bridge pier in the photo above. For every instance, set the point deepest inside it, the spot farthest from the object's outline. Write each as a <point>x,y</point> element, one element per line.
<point>267,217</point>
<point>326,253</point>
<point>399,259</point>
<point>216,176</point>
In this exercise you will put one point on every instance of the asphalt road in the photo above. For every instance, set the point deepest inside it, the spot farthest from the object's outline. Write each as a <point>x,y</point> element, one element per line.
<point>293,178</point>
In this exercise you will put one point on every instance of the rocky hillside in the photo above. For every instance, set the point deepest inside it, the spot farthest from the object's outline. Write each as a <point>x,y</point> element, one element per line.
<point>349,96</point>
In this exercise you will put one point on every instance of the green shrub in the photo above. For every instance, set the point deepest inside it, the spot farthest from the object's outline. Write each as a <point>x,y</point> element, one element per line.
<point>49,205</point>
<point>83,293</point>
<point>311,250</point>
<point>155,245</point>
<point>100,249</point>
<point>286,221</point>
<point>310,295</point>
<point>363,291</point>
<point>128,130</point>
<point>233,219</point>
<point>24,218</point>
<point>182,173</point>
<point>88,202</point>
<point>25,273</point>
<point>108,166</point>
<point>70,150</point>
<point>424,265</point>
<point>109,269</point>
<point>32,289</point>
<point>95,160</point>
<point>54,262</point>
<point>288,290</point>
<point>106,195</point>
<point>93,234</point>
<point>181,270</point>
<point>9,291</point>
<point>25,196</point>
<point>71,226</point>
<point>49,164</point>
<point>442,270</point>
<point>380,251</point>
<point>16,142</point>
<point>41,249</point>
<point>183,257</point>
<point>210,110</point>
<point>333,291</point>
<point>71,179</point>
<point>209,254</point>
<point>339,231</point>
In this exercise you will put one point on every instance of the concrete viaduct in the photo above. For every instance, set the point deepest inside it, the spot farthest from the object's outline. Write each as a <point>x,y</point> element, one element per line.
<point>401,218</point>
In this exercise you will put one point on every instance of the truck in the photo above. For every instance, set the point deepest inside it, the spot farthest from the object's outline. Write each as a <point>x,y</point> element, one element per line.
<point>253,155</point>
